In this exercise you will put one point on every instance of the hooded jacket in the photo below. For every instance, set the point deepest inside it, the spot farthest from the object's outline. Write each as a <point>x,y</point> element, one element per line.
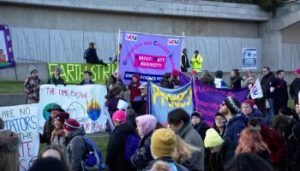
<point>9,151</point>
<point>134,88</point>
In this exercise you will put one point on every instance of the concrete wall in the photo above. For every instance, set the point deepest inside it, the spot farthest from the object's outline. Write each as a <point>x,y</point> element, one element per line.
<point>291,34</point>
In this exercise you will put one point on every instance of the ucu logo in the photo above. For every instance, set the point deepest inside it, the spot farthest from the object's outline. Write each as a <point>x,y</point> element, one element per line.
<point>173,41</point>
<point>131,37</point>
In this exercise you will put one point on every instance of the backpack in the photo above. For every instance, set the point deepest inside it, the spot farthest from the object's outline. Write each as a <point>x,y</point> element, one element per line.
<point>131,144</point>
<point>93,159</point>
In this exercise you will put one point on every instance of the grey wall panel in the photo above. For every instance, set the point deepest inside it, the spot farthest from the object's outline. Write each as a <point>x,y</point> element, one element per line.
<point>290,56</point>
<point>30,45</point>
<point>230,53</point>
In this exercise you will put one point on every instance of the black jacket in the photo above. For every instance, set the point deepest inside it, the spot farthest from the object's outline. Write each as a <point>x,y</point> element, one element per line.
<point>294,89</point>
<point>184,63</point>
<point>48,128</point>
<point>201,128</point>
<point>90,55</point>
<point>115,157</point>
<point>281,95</point>
<point>236,82</point>
<point>54,81</point>
<point>84,83</point>
<point>267,82</point>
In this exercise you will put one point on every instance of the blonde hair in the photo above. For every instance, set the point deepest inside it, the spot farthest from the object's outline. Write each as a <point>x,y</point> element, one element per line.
<point>183,151</point>
<point>160,166</point>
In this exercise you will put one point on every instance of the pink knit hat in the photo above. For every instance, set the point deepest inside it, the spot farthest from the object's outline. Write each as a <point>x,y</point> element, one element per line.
<point>71,125</point>
<point>147,123</point>
<point>119,116</point>
<point>297,71</point>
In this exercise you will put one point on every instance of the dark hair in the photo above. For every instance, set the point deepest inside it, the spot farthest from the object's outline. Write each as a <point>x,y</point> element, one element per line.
<point>254,122</point>
<point>48,164</point>
<point>130,117</point>
<point>267,68</point>
<point>177,115</point>
<point>219,74</point>
<point>1,124</point>
<point>196,51</point>
<point>88,72</point>
<point>236,71</point>
<point>279,71</point>
<point>284,110</point>
<point>56,148</point>
<point>113,92</point>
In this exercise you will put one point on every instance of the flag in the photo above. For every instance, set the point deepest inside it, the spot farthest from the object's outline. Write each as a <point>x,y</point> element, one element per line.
<point>256,91</point>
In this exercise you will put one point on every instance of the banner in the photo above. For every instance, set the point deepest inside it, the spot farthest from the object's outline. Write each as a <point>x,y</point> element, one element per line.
<point>256,91</point>
<point>249,57</point>
<point>150,56</point>
<point>73,72</point>
<point>23,120</point>
<point>83,103</point>
<point>6,53</point>
<point>163,100</point>
<point>184,79</point>
<point>207,99</point>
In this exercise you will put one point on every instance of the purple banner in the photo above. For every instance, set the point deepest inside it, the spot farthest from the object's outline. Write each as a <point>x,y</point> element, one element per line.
<point>207,99</point>
<point>184,79</point>
<point>149,55</point>
<point>6,53</point>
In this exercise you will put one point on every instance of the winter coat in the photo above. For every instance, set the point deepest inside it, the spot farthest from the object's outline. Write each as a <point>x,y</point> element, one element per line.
<point>281,96</point>
<point>112,104</point>
<point>55,81</point>
<point>220,83</point>
<point>191,136</point>
<point>90,55</point>
<point>232,134</point>
<point>140,105</point>
<point>208,80</point>
<point>294,89</point>
<point>293,156</point>
<point>86,83</point>
<point>58,137</point>
<point>115,157</point>
<point>142,156</point>
<point>267,82</point>
<point>48,128</point>
<point>75,150</point>
<point>170,161</point>
<point>201,128</point>
<point>32,88</point>
<point>134,90</point>
<point>235,82</point>
<point>9,151</point>
<point>166,83</point>
<point>197,62</point>
<point>184,62</point>
<point>254,114</point>
<point>112,82</point>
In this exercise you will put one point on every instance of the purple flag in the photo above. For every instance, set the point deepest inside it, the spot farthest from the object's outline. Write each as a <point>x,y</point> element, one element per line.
<point>148,55</point>
<point>207,99</point>
<point>184,79</point>
<point>6,53</point>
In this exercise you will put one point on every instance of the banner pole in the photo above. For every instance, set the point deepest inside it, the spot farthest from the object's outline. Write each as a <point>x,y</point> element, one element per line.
<point>118,49</point>
<point>182,45</point>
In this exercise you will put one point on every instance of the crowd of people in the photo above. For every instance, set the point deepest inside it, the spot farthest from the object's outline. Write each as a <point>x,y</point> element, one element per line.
<point>257,134</point>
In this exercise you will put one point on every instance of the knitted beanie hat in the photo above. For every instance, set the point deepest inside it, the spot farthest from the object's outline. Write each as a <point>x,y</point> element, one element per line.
<point>147,123</point>
<point>233,104</point>
<point>163,142</point>
<point>212,138</point>
<point>71,125</point>
<point>119,116</point>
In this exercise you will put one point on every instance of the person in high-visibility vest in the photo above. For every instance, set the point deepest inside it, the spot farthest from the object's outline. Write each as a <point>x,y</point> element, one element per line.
<point>197,61</point>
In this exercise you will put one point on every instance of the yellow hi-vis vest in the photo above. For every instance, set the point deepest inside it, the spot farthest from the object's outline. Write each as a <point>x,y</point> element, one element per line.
<point>197,61</point>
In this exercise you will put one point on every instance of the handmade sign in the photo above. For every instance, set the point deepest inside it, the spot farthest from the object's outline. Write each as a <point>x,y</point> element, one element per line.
<point>6,52</point>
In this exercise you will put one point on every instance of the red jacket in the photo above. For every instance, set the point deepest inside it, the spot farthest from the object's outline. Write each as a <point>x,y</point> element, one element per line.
<point>276,145</point>
<point>134,88</point>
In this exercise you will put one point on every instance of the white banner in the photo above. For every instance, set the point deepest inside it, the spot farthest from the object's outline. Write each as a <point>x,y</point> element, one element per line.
<point>83,103</point>
<point>256,91</point>
<point>23,120</point>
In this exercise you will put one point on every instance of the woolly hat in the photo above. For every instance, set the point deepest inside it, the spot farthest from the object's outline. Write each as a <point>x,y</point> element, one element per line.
<point>62,116</point>
<point>175,73</point>
<point>163,142</point>
<point>119,116</point>
<point>233,104</point>
<point>143,85</point>
<point>32,69</point>
<point>297,71</point>
<point>55,106</point>
<point>250,102</point>
<point>137,76</point>
<point>212,138</point>
<point>198,114</point>
<point>71,125</point>
<point>147,123</point>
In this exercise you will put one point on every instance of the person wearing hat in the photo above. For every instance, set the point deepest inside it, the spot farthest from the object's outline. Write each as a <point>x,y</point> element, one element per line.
<point>249,109</point>
<point>175,78</point>
<point>197,61</point>
<point>49,124</point>
<point>90,55</point>
<point>199,124</point>
<point>163,144</point>
<point>141,101</point>
<point>166,81</point>
<point>220,123</point>
<point>87,78</point>
<point>115,157</point>
<point>180,122</point>
<point>295,87</point>
<point>32,87</point>
<point>58,135</point>
<point>236,122</point>
<point>75,146</point>
<point>112,99</point>
<point>134,91</point>
<point>56,78</point>
<point>214,142</point>
<point>115,80</point>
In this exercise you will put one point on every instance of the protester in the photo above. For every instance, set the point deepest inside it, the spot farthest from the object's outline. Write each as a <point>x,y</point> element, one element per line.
<point>283,125</point>
<point>295,86</point>
<point>184,61</point>
<point>197,61</point>
<point>251,142</point>
<point>198,123</point>
<point>179,122</point>
<point>90,55</point>
<point>248,162</point>
<point>163,143</point>
<point>268,84</point>
<point>118,54</point>
<point>145,127</point>
<point>53,151</point>
<point>56,78</point>
<point>235,79</point>
<point>293,144</point>
<point>249,110</point>
<point>259,102</point>
<point>113,81</point>
<point>175,79</point>
<point>213,141</point>
<point>274,141</point>
<point>49,124</point>
<point>9,149</point>
<point>141,100</point>
<point>219,82</point>
<point>58,135</point>
<point>281,92</point>
<point>245,79</point>
<point>32,87</point>
<point>48,164</point>
<point>166,81</point>
<point>220,123</point>
<point>112,99</point>
<point>115,157</point>
<point>87,78</point>
<point>75,146</point>
<point>236,122</point>
<point>134,91</point>
<point>207,79</point>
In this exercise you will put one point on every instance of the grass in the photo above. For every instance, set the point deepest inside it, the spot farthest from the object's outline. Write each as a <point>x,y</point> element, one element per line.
<point>11,87</point>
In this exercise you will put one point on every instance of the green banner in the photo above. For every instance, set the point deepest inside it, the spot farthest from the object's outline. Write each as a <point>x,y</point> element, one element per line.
<point>72,73</point>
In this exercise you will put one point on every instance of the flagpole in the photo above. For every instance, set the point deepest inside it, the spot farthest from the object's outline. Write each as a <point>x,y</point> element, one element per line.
<point>118,49</point>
